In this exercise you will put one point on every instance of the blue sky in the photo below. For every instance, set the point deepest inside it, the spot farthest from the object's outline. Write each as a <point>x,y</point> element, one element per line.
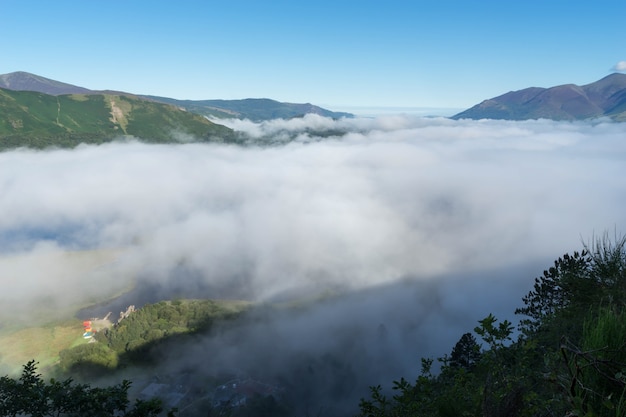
<point>333,53</point>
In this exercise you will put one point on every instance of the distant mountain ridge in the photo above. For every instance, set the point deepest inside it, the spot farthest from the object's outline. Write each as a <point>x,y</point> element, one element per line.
<point>603,98</point>
<point>253,109</point>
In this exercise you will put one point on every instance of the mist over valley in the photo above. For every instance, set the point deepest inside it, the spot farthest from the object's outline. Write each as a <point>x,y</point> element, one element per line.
<point>359,253</point>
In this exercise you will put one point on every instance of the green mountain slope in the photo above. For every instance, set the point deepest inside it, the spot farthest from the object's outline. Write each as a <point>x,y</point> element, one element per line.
<point>39,120</point>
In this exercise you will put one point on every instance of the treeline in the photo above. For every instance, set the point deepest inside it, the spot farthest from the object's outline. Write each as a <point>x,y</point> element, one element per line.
<point>132,337</point>
<point>568,357</point>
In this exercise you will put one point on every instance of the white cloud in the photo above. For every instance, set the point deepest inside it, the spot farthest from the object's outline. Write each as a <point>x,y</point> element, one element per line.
<point>426,224</point>
<point>620,66</point>
<point>399,196</point>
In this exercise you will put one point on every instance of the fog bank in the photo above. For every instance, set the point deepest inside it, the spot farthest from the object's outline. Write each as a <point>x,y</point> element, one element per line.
<point>423,225</point>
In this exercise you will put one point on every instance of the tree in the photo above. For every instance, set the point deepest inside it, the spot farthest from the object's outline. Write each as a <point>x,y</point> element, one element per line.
<point>30,395</point>
<point>466,352</point>
<point>555,291</point>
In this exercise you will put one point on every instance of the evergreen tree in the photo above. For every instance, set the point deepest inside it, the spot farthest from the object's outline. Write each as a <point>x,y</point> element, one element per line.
<point>466,352</point>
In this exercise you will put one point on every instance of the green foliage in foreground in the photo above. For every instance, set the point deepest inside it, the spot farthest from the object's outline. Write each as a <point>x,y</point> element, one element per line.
<point>569,358</point>
<point>30,395</point>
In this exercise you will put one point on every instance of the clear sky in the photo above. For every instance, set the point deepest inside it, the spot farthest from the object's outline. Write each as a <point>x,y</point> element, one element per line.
<point>438,53</point>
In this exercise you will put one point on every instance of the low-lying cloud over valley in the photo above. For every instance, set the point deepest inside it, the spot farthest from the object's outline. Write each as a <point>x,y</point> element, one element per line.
<point>417,226</point>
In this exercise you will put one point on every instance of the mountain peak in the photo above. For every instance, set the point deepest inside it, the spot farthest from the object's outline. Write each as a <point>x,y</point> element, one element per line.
<point>605,97</point>
<point>25,81</point>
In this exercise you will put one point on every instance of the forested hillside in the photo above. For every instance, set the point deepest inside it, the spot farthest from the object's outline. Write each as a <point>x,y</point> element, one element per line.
<point>37,120</point>
<point>567,358</point>
<point>131,339</point>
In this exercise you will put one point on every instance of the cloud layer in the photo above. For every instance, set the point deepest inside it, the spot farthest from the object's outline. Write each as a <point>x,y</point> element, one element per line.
<point>425,224</point>
<point>394,197</point>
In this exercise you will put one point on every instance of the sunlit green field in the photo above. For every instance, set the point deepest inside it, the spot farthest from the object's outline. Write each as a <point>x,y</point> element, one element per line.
<point>41,343</point>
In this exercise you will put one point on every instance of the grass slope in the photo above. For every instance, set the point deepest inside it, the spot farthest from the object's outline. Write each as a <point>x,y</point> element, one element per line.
<point>31,119</point>
<point>42,343</point>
